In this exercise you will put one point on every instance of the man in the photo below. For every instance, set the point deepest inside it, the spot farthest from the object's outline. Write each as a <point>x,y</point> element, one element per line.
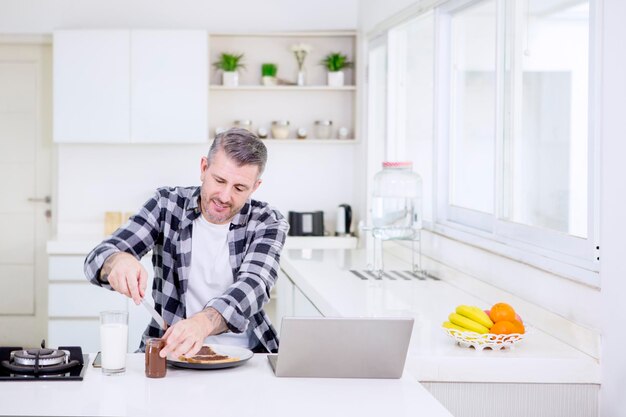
<point>215,253</point>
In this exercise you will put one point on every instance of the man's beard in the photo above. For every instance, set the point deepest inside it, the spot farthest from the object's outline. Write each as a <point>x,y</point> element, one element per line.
<point>219,218</point>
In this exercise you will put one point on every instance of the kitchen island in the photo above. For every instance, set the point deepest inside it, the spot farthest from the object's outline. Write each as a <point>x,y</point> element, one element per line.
<point>247,390</point>
<point>542,375</point>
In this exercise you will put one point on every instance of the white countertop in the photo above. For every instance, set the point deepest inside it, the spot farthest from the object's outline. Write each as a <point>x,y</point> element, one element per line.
<point>248,390</point>
<point>324,277</point>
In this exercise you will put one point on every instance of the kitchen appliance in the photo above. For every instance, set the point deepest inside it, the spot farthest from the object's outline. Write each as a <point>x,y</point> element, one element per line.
<point>67,363</point>
<point>306,223</point>
<point>344,219</point>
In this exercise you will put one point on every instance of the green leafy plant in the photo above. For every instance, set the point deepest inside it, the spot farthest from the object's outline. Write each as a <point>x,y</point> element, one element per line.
<point>229,62</point>
<point>336,61</point>
<point>269,70</point>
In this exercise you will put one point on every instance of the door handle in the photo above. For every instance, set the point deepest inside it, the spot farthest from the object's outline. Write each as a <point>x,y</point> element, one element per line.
<point>45,199</point>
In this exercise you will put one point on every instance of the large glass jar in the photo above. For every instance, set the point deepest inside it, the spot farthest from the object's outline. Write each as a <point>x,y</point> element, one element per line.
<point>397,202</point>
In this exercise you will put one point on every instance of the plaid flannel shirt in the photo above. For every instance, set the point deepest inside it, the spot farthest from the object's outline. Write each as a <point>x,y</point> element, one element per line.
<point>164,225</point>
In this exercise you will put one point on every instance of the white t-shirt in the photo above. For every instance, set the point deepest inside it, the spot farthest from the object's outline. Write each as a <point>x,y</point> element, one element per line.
<point>211,274</point>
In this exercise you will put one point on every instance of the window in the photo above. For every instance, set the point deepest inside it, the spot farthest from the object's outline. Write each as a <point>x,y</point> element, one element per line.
<point>472,112</point>
<point>492,102</point>
<point>513,140</point>
<point>411,90</point>
<point>546,164</point>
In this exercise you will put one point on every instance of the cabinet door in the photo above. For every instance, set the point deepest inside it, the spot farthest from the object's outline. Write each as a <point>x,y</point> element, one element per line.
<point>169,86</point>
<point>302,306</point>
<point>91,80</point>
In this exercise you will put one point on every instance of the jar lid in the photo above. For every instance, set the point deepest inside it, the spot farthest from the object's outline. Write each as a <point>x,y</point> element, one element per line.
<point>243,122</point>
<point>281,122</point>
<point>324,122</point>
<point>396,164</point>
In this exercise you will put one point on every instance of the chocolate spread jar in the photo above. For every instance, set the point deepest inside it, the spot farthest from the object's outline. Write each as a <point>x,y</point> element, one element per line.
<point>156,366</point>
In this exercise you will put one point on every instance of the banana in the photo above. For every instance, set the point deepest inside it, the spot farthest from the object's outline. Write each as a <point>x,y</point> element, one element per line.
<point>467,324</point>
<point>476,314</point>
<point>449,325</point>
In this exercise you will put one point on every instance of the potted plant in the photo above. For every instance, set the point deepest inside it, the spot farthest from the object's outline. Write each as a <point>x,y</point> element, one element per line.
<point>335,62</point>
<point>229,64</point>
<point>268,74</point>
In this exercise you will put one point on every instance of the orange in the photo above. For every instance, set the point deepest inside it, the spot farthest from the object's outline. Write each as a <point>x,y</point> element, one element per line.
<point>503,327</point>
<point>502,312</point>
<point>519,327</point>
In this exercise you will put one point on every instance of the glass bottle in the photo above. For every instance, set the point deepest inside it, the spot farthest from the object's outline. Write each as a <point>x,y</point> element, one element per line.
<point>397,202</point>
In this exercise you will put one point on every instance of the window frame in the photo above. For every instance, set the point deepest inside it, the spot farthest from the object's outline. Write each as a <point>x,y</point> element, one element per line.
<point>564,254</point>
<point>568,256</point>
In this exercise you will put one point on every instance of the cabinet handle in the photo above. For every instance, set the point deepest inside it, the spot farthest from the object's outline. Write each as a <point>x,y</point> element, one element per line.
<point>45,199</point>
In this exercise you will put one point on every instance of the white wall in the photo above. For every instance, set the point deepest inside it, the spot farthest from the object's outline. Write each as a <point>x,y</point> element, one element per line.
<point>45,16</point>
<point>612,210</point>
<point>93,179</point>
<point>98,178</point>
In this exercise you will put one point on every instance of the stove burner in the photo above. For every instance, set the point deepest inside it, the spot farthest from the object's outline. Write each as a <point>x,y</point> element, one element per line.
<point>42,357</point>
<point>44,362</point>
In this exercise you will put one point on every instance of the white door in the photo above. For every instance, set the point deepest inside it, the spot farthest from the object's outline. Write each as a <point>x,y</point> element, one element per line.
<point>25,155</point>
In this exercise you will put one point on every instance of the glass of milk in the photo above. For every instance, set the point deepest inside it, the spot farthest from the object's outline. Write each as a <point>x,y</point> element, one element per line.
<point>113,341</point>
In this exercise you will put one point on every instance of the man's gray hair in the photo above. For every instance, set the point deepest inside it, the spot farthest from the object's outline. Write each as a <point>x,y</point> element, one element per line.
<point>242,146</point>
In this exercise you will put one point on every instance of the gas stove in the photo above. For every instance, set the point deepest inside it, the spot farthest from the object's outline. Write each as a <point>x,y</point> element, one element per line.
<point>39,364</point>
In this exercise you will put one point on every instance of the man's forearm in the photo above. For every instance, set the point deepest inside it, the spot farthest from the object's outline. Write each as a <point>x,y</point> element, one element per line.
<point>215,323</point>
<point>107,267</point>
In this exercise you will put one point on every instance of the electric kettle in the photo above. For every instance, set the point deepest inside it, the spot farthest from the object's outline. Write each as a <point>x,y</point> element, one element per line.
<point>344,218</point>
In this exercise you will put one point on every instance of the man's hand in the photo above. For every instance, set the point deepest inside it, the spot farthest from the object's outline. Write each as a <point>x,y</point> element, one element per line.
<point>185,337</point>
<point>126,275</point>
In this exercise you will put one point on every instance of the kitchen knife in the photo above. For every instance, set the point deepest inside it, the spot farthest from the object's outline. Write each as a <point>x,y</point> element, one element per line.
<point>156,316</point>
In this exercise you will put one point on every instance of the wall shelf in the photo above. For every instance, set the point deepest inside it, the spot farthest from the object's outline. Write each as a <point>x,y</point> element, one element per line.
<point>282,88</point>
<point>311,141</point>
<point>263,104</point>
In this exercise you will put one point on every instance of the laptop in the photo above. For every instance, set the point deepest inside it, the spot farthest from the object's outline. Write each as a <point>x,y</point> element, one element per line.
<point>342,347</point>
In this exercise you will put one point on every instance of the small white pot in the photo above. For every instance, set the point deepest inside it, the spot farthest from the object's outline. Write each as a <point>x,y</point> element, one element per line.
<point>335,78</point>
<point>230,78</point>
<point>269,81</point>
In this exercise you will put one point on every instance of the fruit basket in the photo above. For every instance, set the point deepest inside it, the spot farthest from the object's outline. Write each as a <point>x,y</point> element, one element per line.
<point>482,341</point>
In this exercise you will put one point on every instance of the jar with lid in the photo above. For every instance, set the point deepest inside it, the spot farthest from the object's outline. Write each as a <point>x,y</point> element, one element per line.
<point>397,202</point>
<point>323,129</point>
<point>156,366</point>
<point>261,132</point>
<point>244,124</point>
<point>280,129</point>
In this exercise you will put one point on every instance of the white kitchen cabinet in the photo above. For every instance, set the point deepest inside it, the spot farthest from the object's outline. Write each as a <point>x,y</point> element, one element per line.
<point>74,305</point>
<point>290,301</point>
<point>169,86</point>
<point>122,86</point>
<point>91,84</point>
<point>302,306</point>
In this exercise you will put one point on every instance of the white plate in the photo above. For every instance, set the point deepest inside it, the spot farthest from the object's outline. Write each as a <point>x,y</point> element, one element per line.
<point>241,354</point>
